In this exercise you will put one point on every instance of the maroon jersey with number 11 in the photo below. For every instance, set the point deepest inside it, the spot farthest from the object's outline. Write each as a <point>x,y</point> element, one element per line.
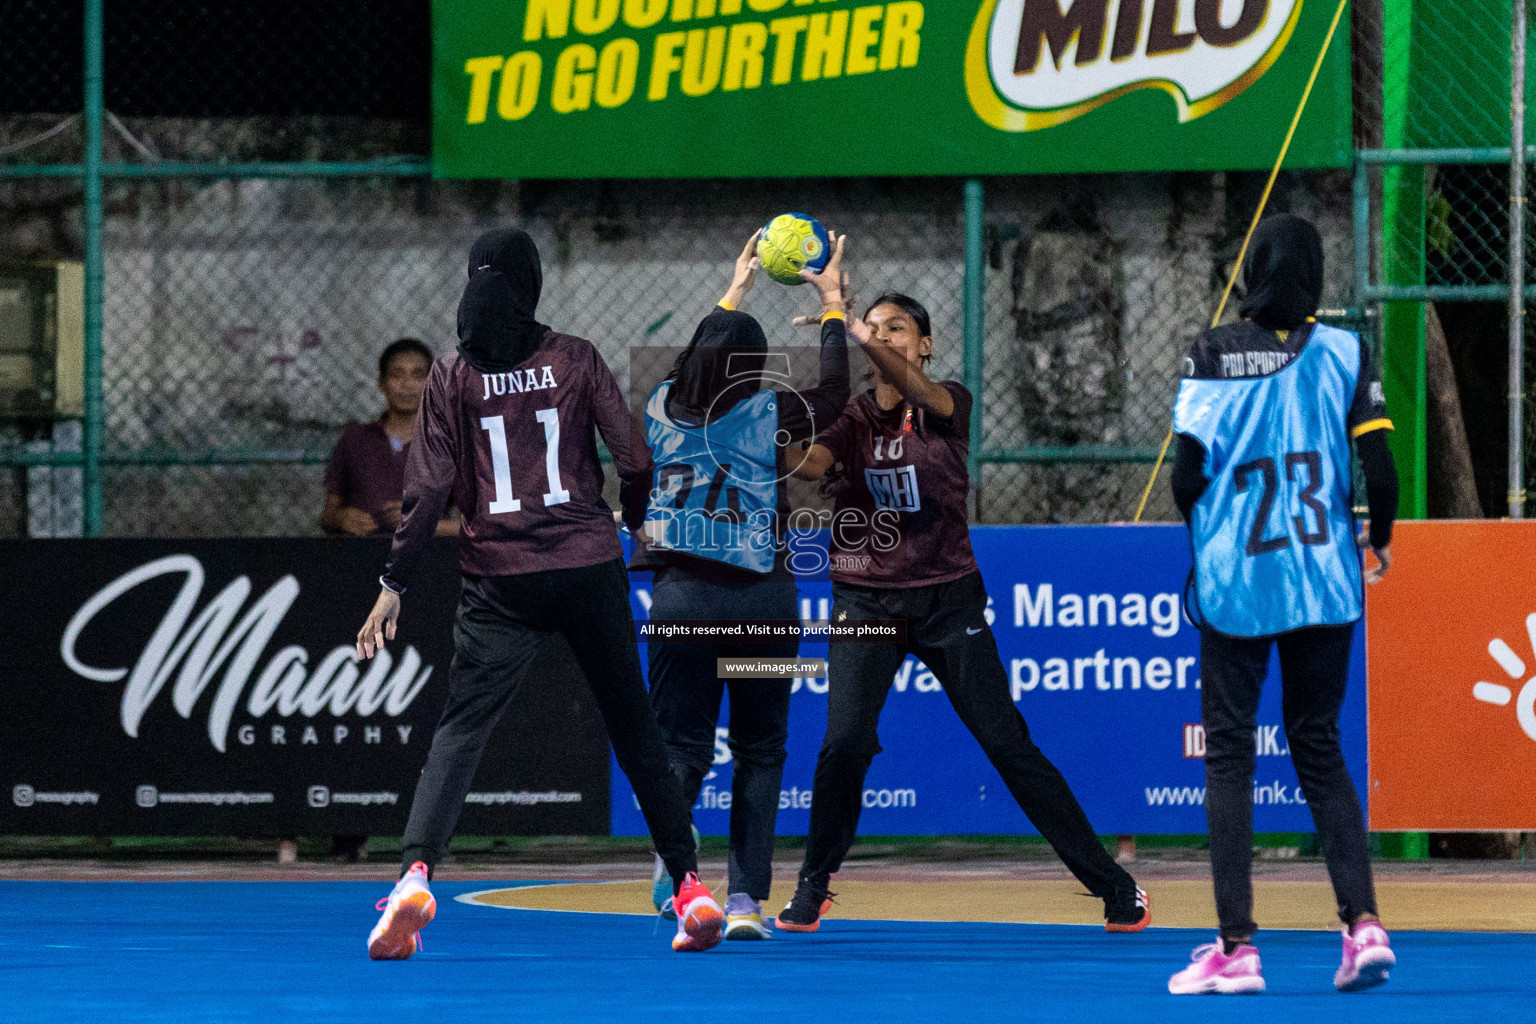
<point>516,452</point>
<point>900,519</point>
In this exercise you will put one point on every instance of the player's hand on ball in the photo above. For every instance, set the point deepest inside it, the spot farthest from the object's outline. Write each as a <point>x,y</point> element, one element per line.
<point>831,280</point>
<point>380,625</point>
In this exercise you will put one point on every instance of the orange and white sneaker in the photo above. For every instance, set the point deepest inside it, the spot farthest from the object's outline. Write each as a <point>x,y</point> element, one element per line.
<point>408,909</point>
<point>700,921</point>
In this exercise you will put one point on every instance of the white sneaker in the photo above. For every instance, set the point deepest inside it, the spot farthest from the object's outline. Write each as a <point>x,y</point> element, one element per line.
<point>744,918</point>
<point>1211,970</point>
<point>1368,958</point>
<point>408,909</point>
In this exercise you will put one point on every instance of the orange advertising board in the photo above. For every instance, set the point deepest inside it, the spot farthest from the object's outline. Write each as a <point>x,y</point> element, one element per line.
<point>1451,651</point>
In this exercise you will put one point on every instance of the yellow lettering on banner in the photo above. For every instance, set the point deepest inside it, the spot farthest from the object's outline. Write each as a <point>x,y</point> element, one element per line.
<point>861,38</point>
<point>786,32</point>
<point>595,16</point>
<point>550,18</point>
<point>899,44</point>
<point>519,86</point>
<point>744,56</point>
<point>644,13</point>
<point>765,6</point>
<point>726,7</point>
<point>617,70</point>
<point>685,10</point>
<point>573,79</point>
<point>702,59</point>
<point>825,41</point>
<point>480,71</point>
<point>664,61</point>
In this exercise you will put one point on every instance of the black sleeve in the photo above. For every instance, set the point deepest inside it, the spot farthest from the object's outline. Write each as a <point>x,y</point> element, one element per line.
<point>1381,489</point>
<point>824,403</point>
<point>1189,480</point>
<point>1369,408</point>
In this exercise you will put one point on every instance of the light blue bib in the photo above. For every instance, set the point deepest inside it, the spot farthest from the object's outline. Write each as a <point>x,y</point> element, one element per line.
<point>715,490</point>
<point>1274,532</point>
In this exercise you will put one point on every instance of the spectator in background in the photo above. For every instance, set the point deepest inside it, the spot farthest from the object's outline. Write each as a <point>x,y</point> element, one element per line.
<point>365,479</point>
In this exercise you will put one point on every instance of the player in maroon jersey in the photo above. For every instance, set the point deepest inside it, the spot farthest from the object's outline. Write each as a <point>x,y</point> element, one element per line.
<point>506,431</point>
<point>901,549</point>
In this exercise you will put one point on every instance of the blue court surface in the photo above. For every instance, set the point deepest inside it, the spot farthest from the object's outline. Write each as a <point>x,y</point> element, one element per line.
<point>292,952</point>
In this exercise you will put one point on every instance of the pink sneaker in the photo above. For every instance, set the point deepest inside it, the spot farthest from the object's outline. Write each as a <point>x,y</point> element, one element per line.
<point>1211,970</point>
<point>1368,958</point>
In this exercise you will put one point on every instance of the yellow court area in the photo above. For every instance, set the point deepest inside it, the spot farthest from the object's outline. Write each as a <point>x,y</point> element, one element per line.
<point>1440,905</point>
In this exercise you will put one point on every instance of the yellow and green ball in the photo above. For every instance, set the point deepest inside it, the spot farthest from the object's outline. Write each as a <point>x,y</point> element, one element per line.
<point>792,242</point>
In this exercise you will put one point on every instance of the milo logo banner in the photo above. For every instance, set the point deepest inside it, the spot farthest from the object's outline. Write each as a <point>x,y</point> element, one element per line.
<point>210,687</point>
<point>792,88</point>
<point>1106,671</point>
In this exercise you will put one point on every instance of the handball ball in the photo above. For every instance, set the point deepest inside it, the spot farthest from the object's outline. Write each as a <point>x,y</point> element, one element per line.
<point>793,241</point>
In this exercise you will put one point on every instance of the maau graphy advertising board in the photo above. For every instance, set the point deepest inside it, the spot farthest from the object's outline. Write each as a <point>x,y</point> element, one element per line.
<point>1106,671</point>
<point>802,88</point>
<point>209,687</point>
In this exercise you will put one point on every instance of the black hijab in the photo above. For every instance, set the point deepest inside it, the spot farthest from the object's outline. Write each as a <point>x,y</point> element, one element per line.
<point>721,366</point>
<point>497,329</point>
<point>1284,273</point>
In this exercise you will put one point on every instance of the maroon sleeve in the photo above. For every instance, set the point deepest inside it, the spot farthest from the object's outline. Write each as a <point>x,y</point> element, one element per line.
<point>631,459</point>
<point>957,423</point>
<point>431,467</point>
<point>338,471</point>
<point>837,437</point>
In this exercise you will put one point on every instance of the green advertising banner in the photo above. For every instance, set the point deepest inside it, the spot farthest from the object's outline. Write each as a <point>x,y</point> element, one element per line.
<point>788,88</point>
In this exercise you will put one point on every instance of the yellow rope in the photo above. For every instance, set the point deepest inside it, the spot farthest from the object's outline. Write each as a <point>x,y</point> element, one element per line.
<point>1258,214</point>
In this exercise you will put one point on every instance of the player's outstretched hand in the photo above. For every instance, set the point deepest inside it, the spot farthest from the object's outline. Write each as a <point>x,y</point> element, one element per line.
<point>380,625</point>
<point>831,284</point>
<point>1378,572</point>
<point>747,265</point>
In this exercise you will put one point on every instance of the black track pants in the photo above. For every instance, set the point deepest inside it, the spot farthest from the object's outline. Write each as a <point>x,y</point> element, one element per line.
<point>947,629</point>
<point>1314,667</point>
<point>501,622</point>
<point>686,692</point>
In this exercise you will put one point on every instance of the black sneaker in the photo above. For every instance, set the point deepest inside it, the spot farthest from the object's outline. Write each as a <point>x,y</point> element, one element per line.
<point>804,911</point>
<point>1129,910</point>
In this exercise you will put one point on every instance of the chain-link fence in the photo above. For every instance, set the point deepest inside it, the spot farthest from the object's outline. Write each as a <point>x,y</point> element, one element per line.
<point>244,307</point>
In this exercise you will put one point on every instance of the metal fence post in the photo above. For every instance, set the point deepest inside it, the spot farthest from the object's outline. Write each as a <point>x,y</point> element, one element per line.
<point>1517,263</point>
<point>975,324</point>
<point>93,266</point>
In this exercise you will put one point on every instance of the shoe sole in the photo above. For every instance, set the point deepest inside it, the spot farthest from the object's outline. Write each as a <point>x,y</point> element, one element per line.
<point>1222,987</point>
<point>1374,972</point>
<point>1129,929</point>
<point>704,927</point>
<point>746,931</point>
<point>398,942</point>
<point>790,926</point>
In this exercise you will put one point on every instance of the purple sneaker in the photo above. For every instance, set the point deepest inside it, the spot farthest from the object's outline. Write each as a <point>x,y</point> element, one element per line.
<point>1368,958</point>
<point>1211,970</point>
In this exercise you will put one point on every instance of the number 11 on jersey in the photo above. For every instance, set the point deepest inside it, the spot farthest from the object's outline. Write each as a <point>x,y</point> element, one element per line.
<point>501,463</point>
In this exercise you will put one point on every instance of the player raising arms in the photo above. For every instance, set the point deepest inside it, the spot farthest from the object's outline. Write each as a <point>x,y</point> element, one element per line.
<point>1263,476</point>
<point>506,428</point>
<point>717,510</point>
<point>899,452</point>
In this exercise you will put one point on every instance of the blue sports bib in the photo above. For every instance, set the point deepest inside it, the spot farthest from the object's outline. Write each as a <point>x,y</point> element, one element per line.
<point>715,490</point>
<point>1274,532</point>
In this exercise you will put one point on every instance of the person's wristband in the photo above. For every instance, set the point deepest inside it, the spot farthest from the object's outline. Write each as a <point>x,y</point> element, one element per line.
<point>396,590</point>
<point>834,314</point>
<point>727,305</point>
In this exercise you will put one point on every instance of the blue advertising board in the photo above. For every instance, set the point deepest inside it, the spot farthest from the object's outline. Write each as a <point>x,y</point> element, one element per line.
<point>1105,669</point>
